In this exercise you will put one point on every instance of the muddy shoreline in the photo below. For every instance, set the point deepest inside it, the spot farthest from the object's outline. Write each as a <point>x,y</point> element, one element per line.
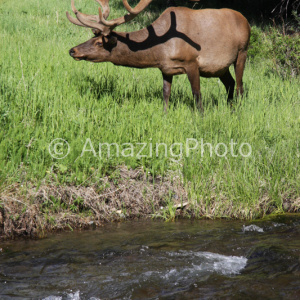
<point>31,211</point>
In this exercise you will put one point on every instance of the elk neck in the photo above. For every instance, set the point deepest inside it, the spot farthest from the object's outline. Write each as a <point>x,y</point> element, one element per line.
<point>135,49</point>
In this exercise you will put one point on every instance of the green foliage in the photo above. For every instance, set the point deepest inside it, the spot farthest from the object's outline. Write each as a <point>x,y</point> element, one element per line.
<point>77,205</point>
<point>280,48</point>
<point>168,212</point>
<point>53,205</point>
<point>259,46</point>
<point>286,53</point>
<point>45,95</point>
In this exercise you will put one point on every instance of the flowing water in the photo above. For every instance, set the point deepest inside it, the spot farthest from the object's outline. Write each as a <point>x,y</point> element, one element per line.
<point>156,260</point>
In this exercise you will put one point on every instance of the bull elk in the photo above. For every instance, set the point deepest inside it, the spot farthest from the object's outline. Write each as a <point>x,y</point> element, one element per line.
<point>198,43</point>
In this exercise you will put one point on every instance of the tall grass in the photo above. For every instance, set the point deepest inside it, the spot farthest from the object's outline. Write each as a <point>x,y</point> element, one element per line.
<point>44,95</point>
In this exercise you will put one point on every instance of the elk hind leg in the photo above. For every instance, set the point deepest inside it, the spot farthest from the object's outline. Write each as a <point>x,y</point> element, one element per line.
<point>229,83</point>
<point>239,67</point>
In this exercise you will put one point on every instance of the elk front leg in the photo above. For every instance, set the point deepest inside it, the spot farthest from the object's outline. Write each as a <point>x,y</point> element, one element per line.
<point>167,89</point>
<point>194,78</point>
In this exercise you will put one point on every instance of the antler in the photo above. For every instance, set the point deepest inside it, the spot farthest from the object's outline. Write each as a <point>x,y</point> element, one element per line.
<point>139,8</point>
<point>133,12</point>
<point>91,21</point>
<point>75,21</point>
<point>105,7</point>
<point>100,22</point>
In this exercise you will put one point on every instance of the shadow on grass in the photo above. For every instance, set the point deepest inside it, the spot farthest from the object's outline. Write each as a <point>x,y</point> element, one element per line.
<point>98,88</point>
<point>108,87</point>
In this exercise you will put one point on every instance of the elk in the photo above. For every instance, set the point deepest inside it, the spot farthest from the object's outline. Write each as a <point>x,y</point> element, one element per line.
<point>203,42</point>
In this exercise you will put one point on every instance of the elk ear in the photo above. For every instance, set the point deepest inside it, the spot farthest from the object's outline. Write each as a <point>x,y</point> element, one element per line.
<point>96,32</point>
<point>112,40</point>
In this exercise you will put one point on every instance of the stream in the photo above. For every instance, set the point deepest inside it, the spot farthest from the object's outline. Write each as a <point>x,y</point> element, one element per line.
<point>158,260</point>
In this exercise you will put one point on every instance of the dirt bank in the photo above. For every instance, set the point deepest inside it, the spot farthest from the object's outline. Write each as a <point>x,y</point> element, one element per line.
<point>28,210</point>
<point>32,211</point>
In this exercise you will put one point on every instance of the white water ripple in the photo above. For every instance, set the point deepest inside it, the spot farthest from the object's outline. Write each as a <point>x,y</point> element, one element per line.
<point>177,268</point>
<point>252,228</point>
<point>213,262</point>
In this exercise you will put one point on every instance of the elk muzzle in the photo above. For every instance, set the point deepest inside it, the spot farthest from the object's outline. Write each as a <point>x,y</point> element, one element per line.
<point>74,53</point>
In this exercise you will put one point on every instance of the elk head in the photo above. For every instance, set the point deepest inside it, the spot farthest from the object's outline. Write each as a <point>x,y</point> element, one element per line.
<point>98,48</point>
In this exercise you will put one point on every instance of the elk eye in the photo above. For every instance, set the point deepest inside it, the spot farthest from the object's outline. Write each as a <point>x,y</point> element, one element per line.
<point>99,44</point>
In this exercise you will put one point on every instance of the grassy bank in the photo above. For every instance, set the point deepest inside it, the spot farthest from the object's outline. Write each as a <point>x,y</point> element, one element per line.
<point>45,95</point>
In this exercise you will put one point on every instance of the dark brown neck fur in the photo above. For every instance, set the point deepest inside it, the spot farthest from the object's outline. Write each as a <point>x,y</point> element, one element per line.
<point>132,50</point>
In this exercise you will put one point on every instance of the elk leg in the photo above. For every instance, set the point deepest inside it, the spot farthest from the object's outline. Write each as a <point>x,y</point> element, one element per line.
<point>167,89</point>
<point>194,78</point>
<point>239,66</point>
<point>229,83</point>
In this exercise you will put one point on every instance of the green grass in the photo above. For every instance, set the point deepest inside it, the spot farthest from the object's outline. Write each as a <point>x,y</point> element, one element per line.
<point>44,95</point>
